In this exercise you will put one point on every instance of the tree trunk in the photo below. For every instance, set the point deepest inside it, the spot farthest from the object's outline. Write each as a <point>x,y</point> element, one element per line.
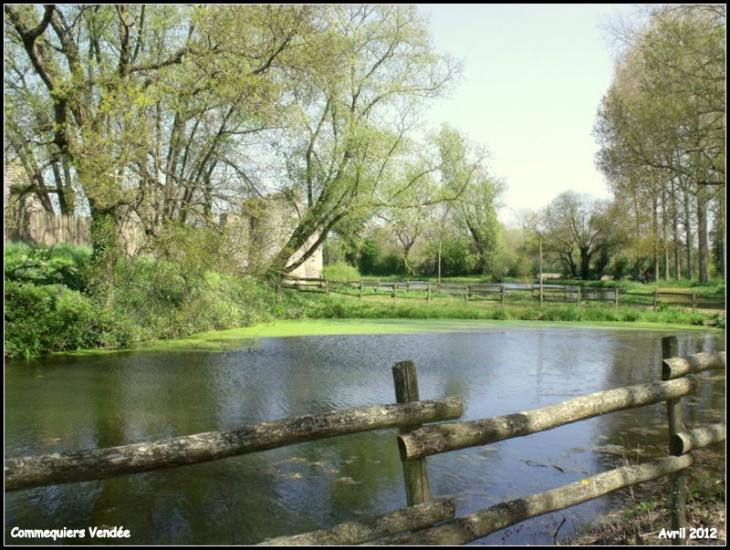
<point>665,232</point>
<point>703,249</point>
<point>105,248</point>
<point>585,264</point>
<point>675,234</point>
<point>655,230</point>
<point>689,237</point>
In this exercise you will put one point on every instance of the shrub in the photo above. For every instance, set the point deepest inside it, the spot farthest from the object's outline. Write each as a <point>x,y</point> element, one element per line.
<point>499,314</point>
<point>52,318</point>
<point>620,268</point>
<point>340,271</point>
<point>60,264</point>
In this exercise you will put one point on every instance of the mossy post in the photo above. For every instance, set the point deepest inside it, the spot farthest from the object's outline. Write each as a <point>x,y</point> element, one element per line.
<point>414,471</point>
<point>678,479</point>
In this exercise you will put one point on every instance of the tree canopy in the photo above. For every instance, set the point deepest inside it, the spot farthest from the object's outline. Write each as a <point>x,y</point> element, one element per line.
<point>661,128</point>
<point>177,113</point>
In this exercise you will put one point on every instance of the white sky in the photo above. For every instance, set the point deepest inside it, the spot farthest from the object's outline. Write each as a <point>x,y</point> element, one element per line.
<point>533,78</point>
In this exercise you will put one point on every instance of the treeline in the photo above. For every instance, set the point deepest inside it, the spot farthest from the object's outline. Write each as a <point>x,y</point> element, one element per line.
<point>661,132</point>
<point>178,113</point>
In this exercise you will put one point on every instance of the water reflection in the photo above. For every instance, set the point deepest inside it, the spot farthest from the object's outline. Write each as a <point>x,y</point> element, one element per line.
<point>63,404</point>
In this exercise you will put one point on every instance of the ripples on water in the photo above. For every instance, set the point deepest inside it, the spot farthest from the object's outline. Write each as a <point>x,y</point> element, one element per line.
<point>69,403</point>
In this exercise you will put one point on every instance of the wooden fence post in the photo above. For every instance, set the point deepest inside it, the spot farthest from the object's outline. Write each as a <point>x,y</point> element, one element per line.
<point>578,297</point>
<point>466,294</point>
<point>678,479</point>
<point>694,301</point>
<point>504,292</point>
<point>428,294</point>
<point>615,298</point>
<point>656,297</point>
<point>414,471</point>
<point>360,290</point>
<point>395,289</point>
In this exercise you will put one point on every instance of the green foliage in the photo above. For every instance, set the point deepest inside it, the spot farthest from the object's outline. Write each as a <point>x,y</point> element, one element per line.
<point>368,259</point>
<point>621,267</point>
<point>52,318</point>
<point>661,127</point>
<point>164,299</point>
<point>61,264</point>
<point>455,258</point>
<point>340,271</point>
<point>719,320</point>
<point>392,264</point>
<point>153,300</point>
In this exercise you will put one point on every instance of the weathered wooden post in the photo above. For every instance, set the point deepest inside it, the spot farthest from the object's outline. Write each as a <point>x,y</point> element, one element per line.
<point>360,296</point>
<point>428,294</point>
<point>504,293</point>
<point>414,471</point>
<point>395,289</point>
<point>694,301</point>
<point>466,294</point>
<point>678,479</point>
<point>615,298</point>
<point>577,295</point>
<point>656,297</point>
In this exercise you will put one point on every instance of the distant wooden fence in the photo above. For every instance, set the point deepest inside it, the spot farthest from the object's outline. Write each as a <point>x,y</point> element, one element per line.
<point>503,294</point>
<point>423,521</point>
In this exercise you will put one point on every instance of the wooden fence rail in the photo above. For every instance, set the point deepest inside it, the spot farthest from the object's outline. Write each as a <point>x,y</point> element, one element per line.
<point>504,293</point>
<point>427,521</point>
<point>72,467</point>
<point>479,524</point>
<point>440,438</point>
<point>412,518</point>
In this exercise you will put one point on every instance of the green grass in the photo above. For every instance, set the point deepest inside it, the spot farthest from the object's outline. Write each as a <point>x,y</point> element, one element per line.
<point>51,305</point>
<point>345,307</point>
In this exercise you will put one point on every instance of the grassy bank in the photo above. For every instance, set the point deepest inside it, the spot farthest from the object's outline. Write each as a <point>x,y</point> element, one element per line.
<point>342,307</point>
<point>53,303</point>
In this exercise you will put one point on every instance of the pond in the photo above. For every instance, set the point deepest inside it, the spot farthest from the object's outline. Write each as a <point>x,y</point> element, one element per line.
<point>68,403</point>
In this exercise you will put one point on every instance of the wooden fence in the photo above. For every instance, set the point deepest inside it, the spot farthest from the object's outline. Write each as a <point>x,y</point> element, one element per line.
<point>47,229</point>
<point>505,294</point>
<point>424,520</point>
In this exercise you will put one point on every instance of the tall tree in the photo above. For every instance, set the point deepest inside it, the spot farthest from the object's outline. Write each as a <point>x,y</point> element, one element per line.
<point>580,232</point>
<point>144,108</point>
<point>476,212</point>
<point>665,112</point>
<point>347,143</point>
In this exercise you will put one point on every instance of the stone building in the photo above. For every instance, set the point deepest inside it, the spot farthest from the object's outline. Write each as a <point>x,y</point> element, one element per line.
<point>263,228</point>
